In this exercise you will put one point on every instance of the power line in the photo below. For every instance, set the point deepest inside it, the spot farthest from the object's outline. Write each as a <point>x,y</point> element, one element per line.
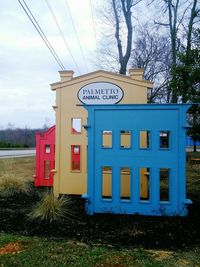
<point>78,40</point>
<point>94,29</point>
<point>62,35</point>
<point>41,33</point>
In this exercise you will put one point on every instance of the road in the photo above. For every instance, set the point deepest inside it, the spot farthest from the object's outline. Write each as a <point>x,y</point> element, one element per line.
<point>16,153</point>
<point>31,152</point>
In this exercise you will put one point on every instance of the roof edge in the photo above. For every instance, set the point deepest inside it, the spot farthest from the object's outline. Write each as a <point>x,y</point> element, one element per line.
<point>57,85</point>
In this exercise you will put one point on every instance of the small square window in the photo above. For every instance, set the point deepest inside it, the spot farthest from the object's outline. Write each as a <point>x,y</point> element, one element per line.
<point>106,182</point>
<point>47,149</point>
<point>76,125</point>
<point>125,139</point>
<point>164,139</point>
<point>76,150</point>
<point>106,139</point>
<point>144,139</point>
<point>75,158</point>
<point>164,184</point>
<point>46,169</point>
<point>144,184</point>
<point>125,183</point>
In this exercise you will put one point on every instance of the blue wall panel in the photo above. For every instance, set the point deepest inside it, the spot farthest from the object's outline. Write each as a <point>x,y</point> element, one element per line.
<point>135,118</point>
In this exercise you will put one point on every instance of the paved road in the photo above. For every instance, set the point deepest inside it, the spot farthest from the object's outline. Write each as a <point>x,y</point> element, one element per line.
<point>17,153</point>
<point>31,152</point>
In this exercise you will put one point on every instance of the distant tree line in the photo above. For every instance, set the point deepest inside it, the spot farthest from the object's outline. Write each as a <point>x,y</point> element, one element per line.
<point>18,138</point>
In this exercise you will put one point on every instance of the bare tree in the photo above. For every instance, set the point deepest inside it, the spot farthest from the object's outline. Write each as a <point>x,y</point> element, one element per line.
<point>118,15</point>
<point>195,12</point>
<point>171,7</point>
<point>180,20</point>
<point>152,52</point>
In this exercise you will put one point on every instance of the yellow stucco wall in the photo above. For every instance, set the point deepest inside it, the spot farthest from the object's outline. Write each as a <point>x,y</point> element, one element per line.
<point>135,91</point>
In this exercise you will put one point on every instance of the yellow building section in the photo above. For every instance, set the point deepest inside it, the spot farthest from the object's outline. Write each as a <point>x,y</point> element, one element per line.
<point>71,139</point>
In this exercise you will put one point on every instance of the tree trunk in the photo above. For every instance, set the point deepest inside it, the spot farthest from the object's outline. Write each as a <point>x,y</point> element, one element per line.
<point>195,146</point>
<point>193,15</point>
<point>173,35</point>
<point>126,9</point>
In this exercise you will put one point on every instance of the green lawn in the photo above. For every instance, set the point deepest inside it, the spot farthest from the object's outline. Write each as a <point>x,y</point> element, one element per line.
<point>47,252</point>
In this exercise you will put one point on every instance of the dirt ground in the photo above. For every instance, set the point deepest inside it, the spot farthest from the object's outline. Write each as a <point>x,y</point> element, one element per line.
<point>114,230</point>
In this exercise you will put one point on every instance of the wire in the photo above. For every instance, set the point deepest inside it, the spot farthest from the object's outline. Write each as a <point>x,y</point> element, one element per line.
<point>78,40</point>
<point>41,33</point>
<point>94,29</point>
<point>62,35</point>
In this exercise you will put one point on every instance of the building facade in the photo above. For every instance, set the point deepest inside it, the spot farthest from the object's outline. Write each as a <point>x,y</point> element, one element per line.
<point>71,147</point>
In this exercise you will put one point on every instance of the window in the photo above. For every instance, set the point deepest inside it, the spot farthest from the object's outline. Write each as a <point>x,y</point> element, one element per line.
<point>106,182</point>
<point>47,169</point>
<point>164,139</point>
<point>75,158</point>
<point>164,184</point>
<point>125,139</point>
<point>47,149</point>
<point>106,139</point>
<point>76,125</point>
<point>144,183</point>
<point>125,183</point>
<point>144,139</point>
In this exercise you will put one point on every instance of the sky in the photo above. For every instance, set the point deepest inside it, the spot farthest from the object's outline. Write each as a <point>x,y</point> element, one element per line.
<point>26,66</point>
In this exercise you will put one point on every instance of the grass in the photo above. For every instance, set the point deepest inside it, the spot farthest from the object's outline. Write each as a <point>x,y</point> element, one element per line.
<point>100,240</point>
<point>50,209</point>
<point>13,180</point>
<point>11,185</point>
<point>20,167</point>
<point>48,252</point>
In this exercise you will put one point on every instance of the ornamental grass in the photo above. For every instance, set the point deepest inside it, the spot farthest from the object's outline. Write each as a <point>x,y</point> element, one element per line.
<point>50,209</point>
<point>11,185</point>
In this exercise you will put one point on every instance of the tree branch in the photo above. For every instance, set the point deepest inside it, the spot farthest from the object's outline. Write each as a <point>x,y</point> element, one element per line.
<point>119,44</point>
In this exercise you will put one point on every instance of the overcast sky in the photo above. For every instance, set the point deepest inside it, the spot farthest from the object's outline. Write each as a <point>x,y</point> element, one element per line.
<point>27,67</point>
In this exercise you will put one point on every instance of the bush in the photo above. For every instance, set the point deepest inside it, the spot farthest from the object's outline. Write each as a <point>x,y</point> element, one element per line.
<point>50,209</point>
<point>11,185</point>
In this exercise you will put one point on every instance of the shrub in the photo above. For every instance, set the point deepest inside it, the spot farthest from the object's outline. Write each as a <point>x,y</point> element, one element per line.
<point>11,185</point>
<point>50,209</point>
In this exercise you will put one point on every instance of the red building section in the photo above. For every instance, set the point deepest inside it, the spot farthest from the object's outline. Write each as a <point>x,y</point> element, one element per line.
<point>45,157</point>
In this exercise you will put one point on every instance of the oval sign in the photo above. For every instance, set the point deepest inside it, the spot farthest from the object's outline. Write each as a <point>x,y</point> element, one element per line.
<point>100,93</point>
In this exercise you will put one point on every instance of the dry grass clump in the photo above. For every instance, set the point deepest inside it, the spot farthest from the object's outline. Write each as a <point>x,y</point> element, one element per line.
<point>11,185</point>
<point>21,167</point>
<point>50,209</point>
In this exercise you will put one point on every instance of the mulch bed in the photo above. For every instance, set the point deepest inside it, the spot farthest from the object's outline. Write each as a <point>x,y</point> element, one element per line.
<point>108,229</point>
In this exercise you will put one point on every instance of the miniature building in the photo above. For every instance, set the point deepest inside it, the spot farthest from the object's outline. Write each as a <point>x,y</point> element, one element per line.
<point>120,153</point>
<point>45,158</point>
<point>119,171</point>
<point>100,87</point>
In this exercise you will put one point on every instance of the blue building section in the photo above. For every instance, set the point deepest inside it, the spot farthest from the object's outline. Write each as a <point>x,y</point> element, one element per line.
<point>190,142</point>
<point>152,156</point>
